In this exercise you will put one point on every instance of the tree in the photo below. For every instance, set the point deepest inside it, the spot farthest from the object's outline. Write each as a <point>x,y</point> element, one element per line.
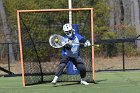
<point>6,31</point>
<point>137,19</point>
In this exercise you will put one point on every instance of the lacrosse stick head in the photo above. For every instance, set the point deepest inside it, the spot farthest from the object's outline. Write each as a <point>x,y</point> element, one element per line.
<point>57,41</point>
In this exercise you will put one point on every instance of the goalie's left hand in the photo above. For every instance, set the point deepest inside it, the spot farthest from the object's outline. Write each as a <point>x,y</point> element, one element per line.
<point>87,43</point>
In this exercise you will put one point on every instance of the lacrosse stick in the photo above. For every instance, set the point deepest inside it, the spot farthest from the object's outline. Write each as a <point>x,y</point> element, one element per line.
<point>58,41</point>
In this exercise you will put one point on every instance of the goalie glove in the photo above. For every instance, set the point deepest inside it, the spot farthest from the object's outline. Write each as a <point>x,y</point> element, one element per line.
<point>68,41</point>
<point>87,43</point>
<point>68,46</point>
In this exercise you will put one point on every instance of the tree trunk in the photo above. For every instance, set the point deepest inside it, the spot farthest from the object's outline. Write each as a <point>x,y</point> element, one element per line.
<point>132,13</point>
<point>6,32</point>
<point>117,13</point>
<point>127,12</point>
<point>111,23</point>
<point>137,20</point>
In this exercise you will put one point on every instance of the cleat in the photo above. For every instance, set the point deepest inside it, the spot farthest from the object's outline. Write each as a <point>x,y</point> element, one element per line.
<point>53,82</point>
<point>84,83</point>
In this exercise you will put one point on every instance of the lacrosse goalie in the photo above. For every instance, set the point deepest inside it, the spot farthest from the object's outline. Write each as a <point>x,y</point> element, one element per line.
<point>70,52</point>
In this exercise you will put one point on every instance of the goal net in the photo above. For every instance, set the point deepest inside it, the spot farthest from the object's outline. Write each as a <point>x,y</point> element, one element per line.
<point>38,59</point>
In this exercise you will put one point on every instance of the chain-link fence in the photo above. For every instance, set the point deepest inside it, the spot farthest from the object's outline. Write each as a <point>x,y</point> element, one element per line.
<point>9,60</point>
<point>110,55</point>
<point>117,54</point>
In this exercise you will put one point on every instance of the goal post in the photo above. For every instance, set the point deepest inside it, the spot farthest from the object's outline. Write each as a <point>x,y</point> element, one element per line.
<point>38,59</point>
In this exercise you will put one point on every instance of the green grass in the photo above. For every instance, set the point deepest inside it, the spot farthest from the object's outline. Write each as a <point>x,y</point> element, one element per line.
<point>108,82</point>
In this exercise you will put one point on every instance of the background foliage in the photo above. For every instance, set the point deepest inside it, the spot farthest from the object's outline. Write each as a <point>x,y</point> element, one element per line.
<point>102,30</point>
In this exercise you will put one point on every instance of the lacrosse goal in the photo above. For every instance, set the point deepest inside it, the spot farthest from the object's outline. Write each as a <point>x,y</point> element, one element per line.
<point>38,59</point>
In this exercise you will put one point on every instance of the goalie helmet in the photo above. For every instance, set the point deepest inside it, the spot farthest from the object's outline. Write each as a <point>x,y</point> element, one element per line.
<point>67,28</point>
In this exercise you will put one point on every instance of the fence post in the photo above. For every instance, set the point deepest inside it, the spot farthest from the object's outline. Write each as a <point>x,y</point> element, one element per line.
<point>123,53</point>
<point>8,56</point>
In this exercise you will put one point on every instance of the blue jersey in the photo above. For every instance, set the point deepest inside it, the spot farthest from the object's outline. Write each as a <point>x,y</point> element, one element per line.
<point>73,51</point>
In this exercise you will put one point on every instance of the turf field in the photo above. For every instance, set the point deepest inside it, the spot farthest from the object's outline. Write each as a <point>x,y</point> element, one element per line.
<point>108,82</point>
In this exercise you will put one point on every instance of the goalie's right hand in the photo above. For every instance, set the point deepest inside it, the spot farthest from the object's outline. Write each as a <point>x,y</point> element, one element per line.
<point>68,47</point>
<point>70,42</point>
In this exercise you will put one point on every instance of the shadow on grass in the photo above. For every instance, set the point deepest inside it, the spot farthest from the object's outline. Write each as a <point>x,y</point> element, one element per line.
<point>98,81</point>
<point>67,84</point>
<point>77,83</point>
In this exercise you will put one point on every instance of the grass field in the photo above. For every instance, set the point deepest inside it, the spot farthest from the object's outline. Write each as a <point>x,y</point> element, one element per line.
<point>108,82</point>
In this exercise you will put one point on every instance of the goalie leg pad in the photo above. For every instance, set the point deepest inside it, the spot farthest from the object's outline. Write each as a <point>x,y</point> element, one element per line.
<point>61,66</point>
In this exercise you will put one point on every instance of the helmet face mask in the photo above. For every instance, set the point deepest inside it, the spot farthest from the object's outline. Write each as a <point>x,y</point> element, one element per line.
<point>68,33</point>
<point>67,28</point>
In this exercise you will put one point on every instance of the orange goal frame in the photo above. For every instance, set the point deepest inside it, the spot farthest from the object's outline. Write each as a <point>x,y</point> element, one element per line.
<point>53,10</point>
